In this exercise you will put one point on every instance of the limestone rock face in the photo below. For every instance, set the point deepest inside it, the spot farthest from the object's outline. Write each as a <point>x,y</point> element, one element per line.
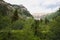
<point>9,9</point>
<point>1,0</point>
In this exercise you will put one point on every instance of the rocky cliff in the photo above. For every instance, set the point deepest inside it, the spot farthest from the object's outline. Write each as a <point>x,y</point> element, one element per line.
<point>8,9</point>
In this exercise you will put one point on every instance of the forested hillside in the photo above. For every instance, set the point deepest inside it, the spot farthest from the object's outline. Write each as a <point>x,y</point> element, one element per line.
<point>16,23</point>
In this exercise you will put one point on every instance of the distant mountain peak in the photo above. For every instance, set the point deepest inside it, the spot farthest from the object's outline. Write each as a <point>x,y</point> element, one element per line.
<point>39,16</point>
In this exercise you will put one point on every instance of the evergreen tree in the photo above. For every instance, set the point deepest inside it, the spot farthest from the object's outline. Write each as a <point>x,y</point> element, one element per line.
<point>36,26</point>
<point>15,16</point>
<point>3,10</point>
<point>46,21</point>
<point>59,10</point>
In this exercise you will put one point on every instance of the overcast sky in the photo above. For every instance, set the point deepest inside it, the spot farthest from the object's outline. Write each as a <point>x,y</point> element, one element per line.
<point>38,6</point>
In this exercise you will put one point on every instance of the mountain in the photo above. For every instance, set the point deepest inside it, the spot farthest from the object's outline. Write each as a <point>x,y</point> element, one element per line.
<point>8,9</point>
<point>39,16</point>
<point>53,15</point>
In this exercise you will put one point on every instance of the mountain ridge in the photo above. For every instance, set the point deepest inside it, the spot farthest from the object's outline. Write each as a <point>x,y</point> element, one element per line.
<point>12,7</point>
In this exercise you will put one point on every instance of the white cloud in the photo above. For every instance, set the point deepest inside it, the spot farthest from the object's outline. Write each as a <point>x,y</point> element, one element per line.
<point>36,6</point>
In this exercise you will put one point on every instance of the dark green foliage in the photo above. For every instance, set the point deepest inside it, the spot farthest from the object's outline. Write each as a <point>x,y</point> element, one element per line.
<point>4,22</point>
<point>27,13</point>
<point>56,27</point>
<point>17,27</point>
<point>15,16</point>
<point>36,27</point>
<point>53,15</point>
<point>41,20</point>
<point>7,35</point>
<point>59,10</point>
<point>3,10</point>
<point>46,21</point>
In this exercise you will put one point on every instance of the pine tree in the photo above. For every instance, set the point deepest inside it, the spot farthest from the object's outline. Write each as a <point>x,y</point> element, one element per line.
<point>36,27</point>
<point>15,16</point>
<point>46,21</point>
<point>59,10</point>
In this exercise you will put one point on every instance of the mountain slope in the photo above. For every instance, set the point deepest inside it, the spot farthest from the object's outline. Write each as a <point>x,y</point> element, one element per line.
<point>8,9</point>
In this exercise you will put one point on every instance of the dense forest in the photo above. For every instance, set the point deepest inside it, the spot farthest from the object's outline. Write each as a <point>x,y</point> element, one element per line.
<point>16,23</point>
